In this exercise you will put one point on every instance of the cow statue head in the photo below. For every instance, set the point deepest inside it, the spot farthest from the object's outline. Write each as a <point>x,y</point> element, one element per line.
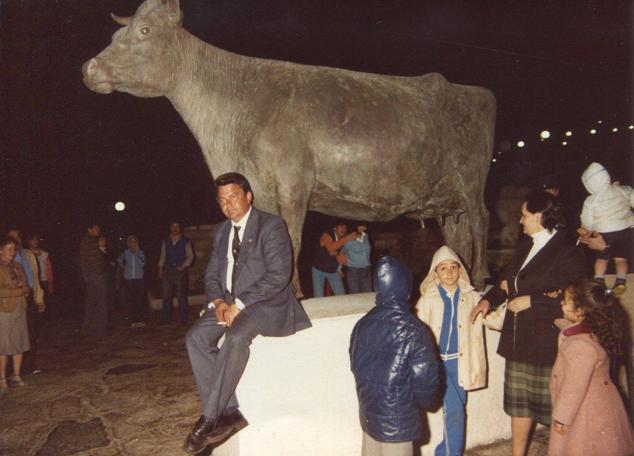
<point>143,57</point>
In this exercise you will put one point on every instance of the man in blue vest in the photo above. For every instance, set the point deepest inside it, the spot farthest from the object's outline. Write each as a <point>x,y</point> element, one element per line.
<point>176,258</point>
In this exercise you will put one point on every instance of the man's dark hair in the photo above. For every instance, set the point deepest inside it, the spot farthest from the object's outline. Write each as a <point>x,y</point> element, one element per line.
<point>12,228</point>
<point>337,221</point>
<point>550,208</point>
<point>90,224</point>
<point>233,178</point>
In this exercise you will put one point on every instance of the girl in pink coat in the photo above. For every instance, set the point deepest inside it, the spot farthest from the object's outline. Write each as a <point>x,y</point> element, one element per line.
<point>588,417</point>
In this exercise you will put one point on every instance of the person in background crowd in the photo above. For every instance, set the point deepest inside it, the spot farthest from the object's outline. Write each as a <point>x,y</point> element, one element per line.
<point>588,415</point>
<point>14,335</point>
<point>355,254</point>
<point>393,359</point>
<point>325,264</point>
<point>44,263</point>
<point>93,269</point>
<point>35,301</point>
<point>608,211</point>
<point>176,257</point>
<point>111,270</point>
<point>132,261</point>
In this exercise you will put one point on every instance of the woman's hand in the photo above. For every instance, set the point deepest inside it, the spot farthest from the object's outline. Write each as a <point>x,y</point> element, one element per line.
<point>504,285</point>
<point>553,294</point>
<point>519,304</point>
<point>482,307</point>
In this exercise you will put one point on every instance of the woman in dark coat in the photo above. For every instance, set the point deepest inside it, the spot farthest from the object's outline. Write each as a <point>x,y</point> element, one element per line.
<point>394,364</point>
<point>545,262</point>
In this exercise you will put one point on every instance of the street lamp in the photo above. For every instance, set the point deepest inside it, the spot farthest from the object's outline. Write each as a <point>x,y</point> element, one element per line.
<point>119,206</point>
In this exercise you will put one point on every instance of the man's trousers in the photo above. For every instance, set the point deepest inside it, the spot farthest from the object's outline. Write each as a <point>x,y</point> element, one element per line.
<point>218,370</point>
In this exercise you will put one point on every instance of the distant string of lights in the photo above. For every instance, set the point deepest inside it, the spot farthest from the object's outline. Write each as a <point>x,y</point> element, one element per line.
<point>546,135</point>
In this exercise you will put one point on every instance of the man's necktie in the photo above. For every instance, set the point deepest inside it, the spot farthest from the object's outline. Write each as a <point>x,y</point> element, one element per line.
<point>235,251</point>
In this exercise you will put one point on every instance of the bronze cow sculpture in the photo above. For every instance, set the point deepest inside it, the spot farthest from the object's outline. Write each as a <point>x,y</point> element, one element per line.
<point>348,144</point>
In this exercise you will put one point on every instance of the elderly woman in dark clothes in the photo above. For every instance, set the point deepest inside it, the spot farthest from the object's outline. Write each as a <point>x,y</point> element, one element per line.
<point>14,335</point>
<point>545,262</point>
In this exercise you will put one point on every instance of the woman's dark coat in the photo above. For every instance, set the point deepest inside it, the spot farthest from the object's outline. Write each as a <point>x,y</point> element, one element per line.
<point>531,336</point>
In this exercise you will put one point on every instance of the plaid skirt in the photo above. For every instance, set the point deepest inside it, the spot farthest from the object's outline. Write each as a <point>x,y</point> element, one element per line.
<point>526,391</point>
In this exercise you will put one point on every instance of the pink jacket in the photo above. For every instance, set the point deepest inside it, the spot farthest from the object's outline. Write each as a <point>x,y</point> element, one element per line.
<point>586,401</point>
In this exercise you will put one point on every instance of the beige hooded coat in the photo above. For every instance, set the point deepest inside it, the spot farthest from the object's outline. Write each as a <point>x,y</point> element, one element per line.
<point>472,364</point>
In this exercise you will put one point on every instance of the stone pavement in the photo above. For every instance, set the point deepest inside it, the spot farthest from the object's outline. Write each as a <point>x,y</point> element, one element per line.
<point>130,394</point>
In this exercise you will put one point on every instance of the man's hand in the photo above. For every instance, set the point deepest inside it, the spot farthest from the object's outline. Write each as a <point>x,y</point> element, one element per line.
<point>161,273</point>
<point>519,304</point>
<point>482,307</point>
<point>180,268</point>
<point>504,286</point>
<point>231,313</point>
<point>41,307</point>
<point>25,290</point>
<point>221,309</point>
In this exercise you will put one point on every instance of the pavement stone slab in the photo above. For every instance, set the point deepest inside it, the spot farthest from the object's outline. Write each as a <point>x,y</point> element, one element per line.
<point>70,437</point>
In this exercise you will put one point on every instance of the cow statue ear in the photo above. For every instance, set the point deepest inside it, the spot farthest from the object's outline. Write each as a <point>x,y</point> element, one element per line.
<point>174,13</point>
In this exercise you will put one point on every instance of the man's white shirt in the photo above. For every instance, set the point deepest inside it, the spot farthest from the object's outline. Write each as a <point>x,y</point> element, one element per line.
<point>242,224</point>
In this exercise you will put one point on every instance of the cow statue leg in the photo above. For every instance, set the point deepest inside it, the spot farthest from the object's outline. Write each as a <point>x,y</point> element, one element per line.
<point>294,213</point>
<point>467,235</point>
<point>479,224</point>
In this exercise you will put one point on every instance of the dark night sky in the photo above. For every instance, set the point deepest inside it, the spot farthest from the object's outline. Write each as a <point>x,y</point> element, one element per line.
<point>67,154</point>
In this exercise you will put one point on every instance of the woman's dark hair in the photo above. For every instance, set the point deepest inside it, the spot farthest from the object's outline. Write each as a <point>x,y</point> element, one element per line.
<point>234,178</point>
<point>6,240</point>
<point>604,315</point>
<point>550,208</point>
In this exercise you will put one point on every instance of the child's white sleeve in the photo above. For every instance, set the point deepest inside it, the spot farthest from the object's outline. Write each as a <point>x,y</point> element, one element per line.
<point>586,215</point>
<point>423,311</point>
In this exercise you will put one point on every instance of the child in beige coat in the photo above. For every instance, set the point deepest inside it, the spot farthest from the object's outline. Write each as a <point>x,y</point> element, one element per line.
<point>446,304</point>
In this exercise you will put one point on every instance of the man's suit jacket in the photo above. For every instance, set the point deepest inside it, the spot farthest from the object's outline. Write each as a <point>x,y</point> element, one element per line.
<point>263,274</point>
<point>531,336</point>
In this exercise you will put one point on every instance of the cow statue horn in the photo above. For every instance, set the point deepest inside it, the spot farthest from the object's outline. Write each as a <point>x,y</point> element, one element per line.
<point>121,20</point>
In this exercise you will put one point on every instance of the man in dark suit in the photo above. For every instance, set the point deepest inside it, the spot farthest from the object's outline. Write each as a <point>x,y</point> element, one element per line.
<point>249,293</point>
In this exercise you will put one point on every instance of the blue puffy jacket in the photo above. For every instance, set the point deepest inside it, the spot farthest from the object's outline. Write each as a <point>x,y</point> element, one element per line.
<point>393,360</point>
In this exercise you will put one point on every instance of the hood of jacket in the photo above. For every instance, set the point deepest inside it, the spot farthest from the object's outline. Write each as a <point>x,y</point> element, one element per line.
<point>131,238</point>
<point>595,178</point>
<point>431,281</point>
<point>393,283</point>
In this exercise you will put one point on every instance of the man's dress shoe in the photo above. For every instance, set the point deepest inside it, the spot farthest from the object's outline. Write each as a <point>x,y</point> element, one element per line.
<point>228,424</point>
<point>208,432</point>
<point>198,437</point>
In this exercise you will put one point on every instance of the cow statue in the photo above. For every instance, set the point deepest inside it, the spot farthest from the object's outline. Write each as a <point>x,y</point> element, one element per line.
<point>348,144</point>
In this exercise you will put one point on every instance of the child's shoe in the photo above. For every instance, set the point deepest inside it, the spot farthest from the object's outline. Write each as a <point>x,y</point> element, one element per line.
<point>619,287</point>
<point>599,281</point>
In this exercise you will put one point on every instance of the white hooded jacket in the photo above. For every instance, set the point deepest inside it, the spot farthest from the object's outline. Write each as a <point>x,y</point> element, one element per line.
<point>472,364</point>
<point>608,208</point>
